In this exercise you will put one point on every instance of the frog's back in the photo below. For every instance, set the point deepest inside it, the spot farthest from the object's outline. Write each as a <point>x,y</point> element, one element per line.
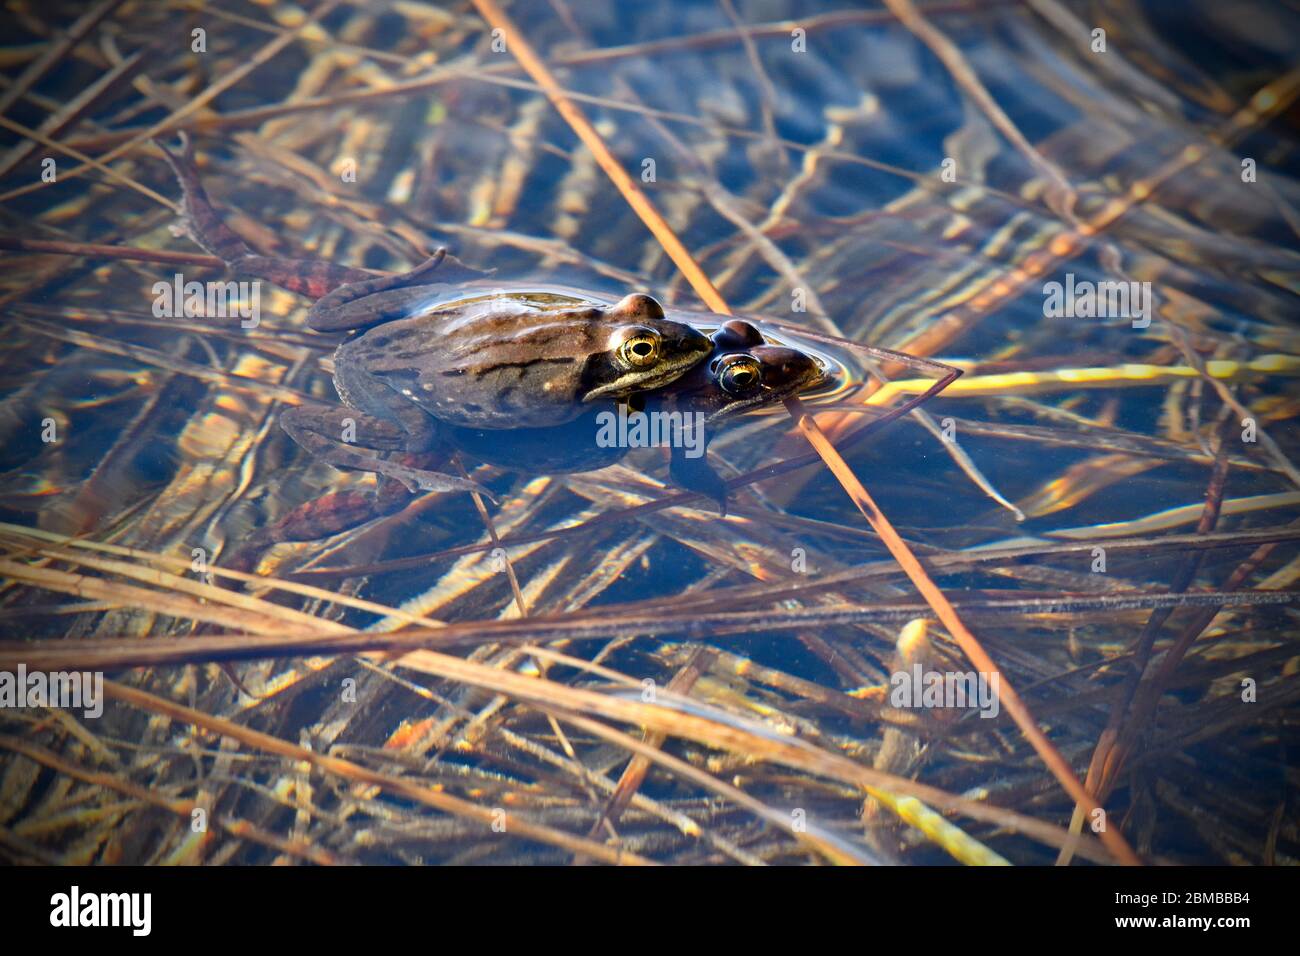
<point>492,363</point>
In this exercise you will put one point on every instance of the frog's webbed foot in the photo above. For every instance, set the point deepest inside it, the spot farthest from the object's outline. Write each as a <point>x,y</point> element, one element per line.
<point>696,474</point>
<point>360,439</point>
<point>417,479</point>
<point>199,218</point>
<point>202,223</point>
<point>318,518</point>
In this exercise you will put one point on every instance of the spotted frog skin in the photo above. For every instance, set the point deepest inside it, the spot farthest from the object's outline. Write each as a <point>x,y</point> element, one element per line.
<point>421,358</point>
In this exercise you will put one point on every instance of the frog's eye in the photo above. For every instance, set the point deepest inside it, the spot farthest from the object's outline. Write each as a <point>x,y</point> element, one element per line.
<point>739,374</point>
<point>640,348</point>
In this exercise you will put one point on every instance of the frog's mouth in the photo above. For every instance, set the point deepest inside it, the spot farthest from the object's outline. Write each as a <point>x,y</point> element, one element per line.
<point>638,381</point>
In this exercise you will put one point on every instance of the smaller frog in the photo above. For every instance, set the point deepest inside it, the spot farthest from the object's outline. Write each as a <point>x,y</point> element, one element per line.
<point>743,374</point>
<point>422,358</point>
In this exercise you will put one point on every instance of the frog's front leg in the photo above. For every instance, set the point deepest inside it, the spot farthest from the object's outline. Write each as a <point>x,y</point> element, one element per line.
<point>696,474</point>
<point>347,438</point>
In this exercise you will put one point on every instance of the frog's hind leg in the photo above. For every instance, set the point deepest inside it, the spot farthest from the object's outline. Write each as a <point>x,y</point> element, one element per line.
<point>201,221</point>
<point>360,439</point>
<point>319,518</point>
<point>311,277</point>
<point>389,297</point>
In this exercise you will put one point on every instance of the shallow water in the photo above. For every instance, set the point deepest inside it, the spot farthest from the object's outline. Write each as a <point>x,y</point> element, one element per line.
<point>844,182</point>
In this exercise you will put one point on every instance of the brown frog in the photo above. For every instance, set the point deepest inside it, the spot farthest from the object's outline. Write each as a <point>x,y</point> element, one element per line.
<point>497,363</point>
<point>421,358</point>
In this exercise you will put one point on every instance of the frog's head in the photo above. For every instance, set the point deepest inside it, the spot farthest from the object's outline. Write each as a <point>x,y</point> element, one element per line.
<point>745,372</point>
<point>644,350</point>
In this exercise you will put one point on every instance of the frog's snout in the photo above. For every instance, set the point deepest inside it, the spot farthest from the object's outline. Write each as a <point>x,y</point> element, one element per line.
<point>692,344</point>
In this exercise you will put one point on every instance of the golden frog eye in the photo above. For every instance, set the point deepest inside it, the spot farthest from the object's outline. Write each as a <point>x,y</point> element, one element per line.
<point>739,374</point>
<point>640,348</point>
